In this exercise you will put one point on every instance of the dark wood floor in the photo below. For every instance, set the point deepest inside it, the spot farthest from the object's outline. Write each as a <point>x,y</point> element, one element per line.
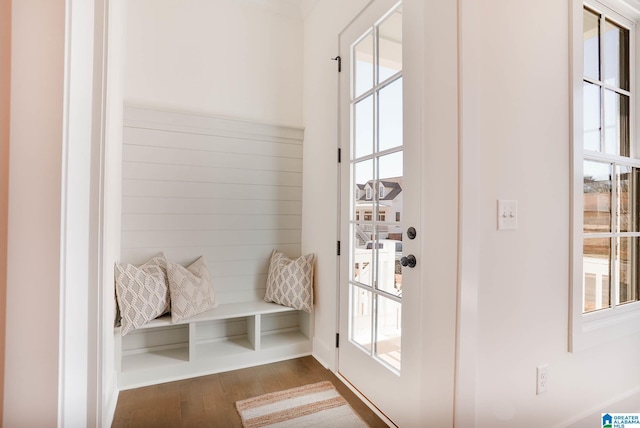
<point>209,401</point>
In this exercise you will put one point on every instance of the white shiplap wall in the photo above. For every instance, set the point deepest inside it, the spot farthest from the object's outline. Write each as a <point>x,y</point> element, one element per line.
<point>199,185</point>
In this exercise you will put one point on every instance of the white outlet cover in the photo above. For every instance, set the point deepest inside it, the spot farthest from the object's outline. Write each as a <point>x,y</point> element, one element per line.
<point>507,214</point>
<point>542,379</point>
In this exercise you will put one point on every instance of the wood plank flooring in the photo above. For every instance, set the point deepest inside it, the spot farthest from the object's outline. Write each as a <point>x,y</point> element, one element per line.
<point>209,401</point>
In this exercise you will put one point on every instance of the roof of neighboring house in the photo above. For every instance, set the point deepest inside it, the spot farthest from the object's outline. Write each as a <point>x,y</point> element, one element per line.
<point>395,187</point>
<point>395,190</point>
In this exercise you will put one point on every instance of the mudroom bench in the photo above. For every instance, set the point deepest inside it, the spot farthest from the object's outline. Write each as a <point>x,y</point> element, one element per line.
<point>194,185</point>
<point>229,337</point>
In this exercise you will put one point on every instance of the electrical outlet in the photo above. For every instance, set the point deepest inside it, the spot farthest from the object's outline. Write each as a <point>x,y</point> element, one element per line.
<point>542,375</point>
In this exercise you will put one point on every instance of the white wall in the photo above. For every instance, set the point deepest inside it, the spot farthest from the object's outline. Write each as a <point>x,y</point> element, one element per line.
<point>320,213</point>
<point>523,275</point>
<point>233,58</point>
<point>5,83</point>
<point>33,273</point>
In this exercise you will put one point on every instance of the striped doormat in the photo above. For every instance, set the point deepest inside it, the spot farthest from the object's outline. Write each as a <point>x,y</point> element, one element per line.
<point>315,405</point>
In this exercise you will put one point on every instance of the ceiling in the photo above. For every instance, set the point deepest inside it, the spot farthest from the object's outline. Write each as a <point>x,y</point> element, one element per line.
<point>292,8</point>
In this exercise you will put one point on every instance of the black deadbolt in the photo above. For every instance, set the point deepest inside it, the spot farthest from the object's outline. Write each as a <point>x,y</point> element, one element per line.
<point>411,232</point>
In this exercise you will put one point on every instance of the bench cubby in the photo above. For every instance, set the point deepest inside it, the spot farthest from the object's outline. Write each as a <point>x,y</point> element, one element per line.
<point>232,336</point>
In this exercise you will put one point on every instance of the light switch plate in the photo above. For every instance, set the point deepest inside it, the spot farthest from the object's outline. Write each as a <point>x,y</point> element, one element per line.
<point>507,214</point>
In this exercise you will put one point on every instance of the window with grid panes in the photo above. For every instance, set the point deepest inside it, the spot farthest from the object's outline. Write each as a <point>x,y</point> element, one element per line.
<point>606,218</point>
<point>610,179</point>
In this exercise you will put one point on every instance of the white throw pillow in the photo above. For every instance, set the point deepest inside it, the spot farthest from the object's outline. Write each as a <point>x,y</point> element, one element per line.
<point>191,289</point>
<point>142,292</point>
<point>290,282</point>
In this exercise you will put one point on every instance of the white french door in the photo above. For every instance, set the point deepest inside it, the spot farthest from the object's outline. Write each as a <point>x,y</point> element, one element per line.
<point>379,294</point>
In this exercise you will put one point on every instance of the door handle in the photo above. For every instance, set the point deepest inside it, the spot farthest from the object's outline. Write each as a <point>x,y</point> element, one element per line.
<point>409,260</point>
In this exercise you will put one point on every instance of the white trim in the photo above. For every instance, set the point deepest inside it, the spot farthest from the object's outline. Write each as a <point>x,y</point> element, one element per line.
<point>110,400</point>
<point>596,411</point>
<point>469,205</point>
<point>110,198</point>
<point>102,401</point>
<point>364,399</point>
<point>622,7</point>
<point>137,116</point>
<point>598,328</point>
<point>77,398</point>
<point>319,348</point>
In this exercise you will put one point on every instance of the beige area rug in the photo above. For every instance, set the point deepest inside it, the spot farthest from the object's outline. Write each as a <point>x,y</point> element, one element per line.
<point>315,405</point>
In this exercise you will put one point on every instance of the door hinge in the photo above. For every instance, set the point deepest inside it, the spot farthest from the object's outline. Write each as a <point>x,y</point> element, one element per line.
<point>337,340</point>
<point>338,248</point>
<point>339,155</point>
<point>339,59</point>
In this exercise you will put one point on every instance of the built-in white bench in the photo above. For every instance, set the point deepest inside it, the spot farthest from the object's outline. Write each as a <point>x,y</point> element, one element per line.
<point>229,190</point>
<point>232,336</point>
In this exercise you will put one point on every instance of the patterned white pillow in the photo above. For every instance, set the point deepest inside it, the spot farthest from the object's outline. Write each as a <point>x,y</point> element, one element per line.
<point>191,288</point>
<point>142,292</point>
<point>290,282</point>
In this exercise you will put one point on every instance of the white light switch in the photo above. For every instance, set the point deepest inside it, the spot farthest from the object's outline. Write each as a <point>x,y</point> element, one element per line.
<point>507,214</point>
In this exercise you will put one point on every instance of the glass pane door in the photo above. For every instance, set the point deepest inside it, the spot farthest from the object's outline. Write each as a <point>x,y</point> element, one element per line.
<point>376,169</point>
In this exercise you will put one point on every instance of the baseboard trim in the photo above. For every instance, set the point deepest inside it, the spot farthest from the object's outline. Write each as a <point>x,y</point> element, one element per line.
<point>320,350</point>
<point>111,393</point>
<point>597,410</point>
<point>366,401</point>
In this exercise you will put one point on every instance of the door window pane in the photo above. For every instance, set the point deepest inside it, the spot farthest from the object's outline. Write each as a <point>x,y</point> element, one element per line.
<point>386,267</point>
<point>363,118</point>
<point>362,272</point>
<point>627,269</point>
<point>597,197</point>
<point>616,122</point>
<point>596,273</point>
<point>591,117</point>
<point>363,197</point>
<point>390,46</point>
<point>390,116</point>
<point>591,25</point>
<point>390,168</point>
<point>361,327</point>
<point>363,65</point>
<point>616,66</point>
<point>389,270</point>
<point>628,190</point>
<point>389,332</point>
